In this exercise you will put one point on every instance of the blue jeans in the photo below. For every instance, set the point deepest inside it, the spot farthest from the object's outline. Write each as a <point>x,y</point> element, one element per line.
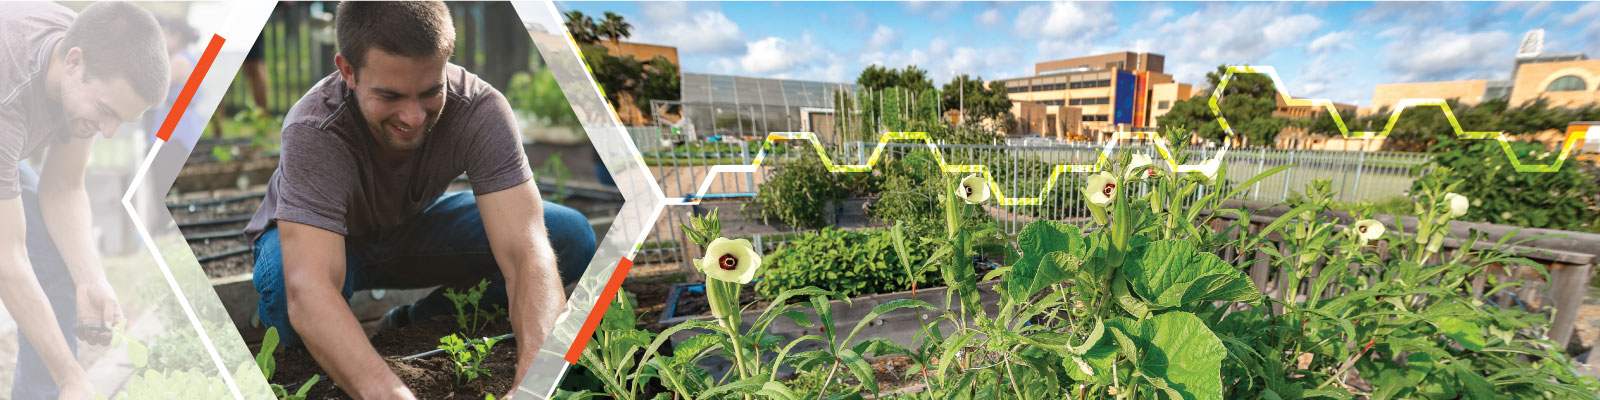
<point>32,380</point>
<point>444,245</point>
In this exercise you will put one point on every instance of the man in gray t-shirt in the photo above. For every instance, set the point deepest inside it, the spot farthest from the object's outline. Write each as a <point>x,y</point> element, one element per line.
<point>64,79</point>
<point>358,200</point>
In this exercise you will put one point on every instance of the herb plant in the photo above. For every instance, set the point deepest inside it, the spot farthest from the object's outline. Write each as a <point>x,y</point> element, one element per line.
<point>466,356</point>
<point>471,317</point>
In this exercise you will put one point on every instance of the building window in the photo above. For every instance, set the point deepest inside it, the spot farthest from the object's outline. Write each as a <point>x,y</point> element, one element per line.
<point>1164,104</point>
<point>1089,101</point>
<point>1096,118</point>
<point>1077,85</point>
<point>1016,89</point>
<point>1566,83</point>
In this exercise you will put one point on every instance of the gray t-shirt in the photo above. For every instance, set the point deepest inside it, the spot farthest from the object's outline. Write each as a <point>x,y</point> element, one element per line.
<point>29,120</point>
<point>330,175</point>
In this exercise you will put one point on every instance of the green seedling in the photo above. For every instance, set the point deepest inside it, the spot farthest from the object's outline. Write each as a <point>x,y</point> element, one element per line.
<point>467,356</point>
<point>471,317</point>
<point>268,365</point>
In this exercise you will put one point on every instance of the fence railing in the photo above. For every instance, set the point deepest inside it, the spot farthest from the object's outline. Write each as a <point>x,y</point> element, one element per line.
<point>681,168</point>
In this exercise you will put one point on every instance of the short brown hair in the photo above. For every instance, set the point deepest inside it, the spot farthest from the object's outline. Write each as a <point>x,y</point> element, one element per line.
<point>122,40</point>
<point>406,29</point>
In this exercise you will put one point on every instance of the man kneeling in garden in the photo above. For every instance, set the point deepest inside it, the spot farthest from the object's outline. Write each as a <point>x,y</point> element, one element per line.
<point>358,200</point>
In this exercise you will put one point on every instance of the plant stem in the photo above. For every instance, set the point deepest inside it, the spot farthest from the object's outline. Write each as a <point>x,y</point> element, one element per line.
<point>829,380</point>
<point>1013,380</point>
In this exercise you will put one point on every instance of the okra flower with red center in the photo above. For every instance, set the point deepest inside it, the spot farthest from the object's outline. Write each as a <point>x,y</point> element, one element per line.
<point>1139,161</point>
<point>730,260</point>
<point>973,189</point>
<point>1367,230</point>
<point>1102,189</point>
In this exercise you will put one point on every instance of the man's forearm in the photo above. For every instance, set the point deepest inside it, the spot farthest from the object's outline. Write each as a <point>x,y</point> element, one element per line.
<point>66,215</point>
<point>536,299</point>
<point>22,295</point>
<point>334,337</point>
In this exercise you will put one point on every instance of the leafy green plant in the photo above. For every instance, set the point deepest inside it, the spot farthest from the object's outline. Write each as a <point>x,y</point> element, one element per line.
<point>1564,199</point>
<point>862,262</point>
<point>269,366</point>
<point>538,92</point>
<point>470,316</point>
<point>466,356</point>
<point>555,168</point>
<point>1144,305</point>
<point>801,190</point>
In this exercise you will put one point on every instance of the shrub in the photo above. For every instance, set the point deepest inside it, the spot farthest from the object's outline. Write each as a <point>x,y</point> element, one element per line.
<point>849,262</point>
<point>801,189</point>
<point>1564,199</point>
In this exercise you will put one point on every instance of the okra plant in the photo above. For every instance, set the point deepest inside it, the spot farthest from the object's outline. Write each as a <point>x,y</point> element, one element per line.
<point>1140,304</point>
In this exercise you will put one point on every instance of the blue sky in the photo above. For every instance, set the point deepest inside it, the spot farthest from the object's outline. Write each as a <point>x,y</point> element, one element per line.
<point>1324,50</point>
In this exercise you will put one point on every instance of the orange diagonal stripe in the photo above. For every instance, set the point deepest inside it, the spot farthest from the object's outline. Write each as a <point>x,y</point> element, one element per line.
<point>600,306</point>
<point>199,74</point>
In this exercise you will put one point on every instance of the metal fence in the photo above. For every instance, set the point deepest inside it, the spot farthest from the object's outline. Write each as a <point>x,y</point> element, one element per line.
<point>681,168</point>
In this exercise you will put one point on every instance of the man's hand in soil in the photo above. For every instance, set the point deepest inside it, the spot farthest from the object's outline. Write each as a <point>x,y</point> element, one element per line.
<point>514,220</point>
<point>313,274</point>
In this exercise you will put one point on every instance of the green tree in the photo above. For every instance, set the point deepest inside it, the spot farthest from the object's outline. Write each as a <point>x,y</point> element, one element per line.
<point>661,82</point>
<point>877,77</point>
<point>615,28</point>
<point>624,77</point>
<point>582,27</point>
<point>981,101</point>
<point>1247,103</point>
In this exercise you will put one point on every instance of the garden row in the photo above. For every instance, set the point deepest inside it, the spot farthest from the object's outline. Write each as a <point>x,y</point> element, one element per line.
<point>1153,299</point>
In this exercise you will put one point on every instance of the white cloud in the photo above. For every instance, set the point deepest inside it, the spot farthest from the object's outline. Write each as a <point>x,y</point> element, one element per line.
<point>1322,78</point>
<point>937,11</point>
<point>1159,14</point>
<point>943,60</point>
<point>1063,30</point>
<point>1435,55</point>
<point>1529,9</point>
<point>991,18</point>
<point>1588,14</point>
<point>883,38</point>
<point>786,59</point>
<point>704,30</point>
<point>1331,41</point>
<point>1063,20</point>
<point>1232,34</point>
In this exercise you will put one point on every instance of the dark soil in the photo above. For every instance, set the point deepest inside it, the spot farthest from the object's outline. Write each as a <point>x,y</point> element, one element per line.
<point>239,264</point>
<point>241,207</point>
<point>429,378</point>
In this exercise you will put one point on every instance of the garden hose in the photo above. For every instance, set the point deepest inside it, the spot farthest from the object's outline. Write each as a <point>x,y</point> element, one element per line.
<point>511,337</point>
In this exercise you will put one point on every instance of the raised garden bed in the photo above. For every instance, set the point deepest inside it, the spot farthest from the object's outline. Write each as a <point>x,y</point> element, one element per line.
<point>428,376</point>
<point>899,327</point>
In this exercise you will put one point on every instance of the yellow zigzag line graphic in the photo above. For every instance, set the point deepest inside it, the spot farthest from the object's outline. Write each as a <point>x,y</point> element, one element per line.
<point>1575,133</point>
<point>1573,136</point>
<point>877,152</point>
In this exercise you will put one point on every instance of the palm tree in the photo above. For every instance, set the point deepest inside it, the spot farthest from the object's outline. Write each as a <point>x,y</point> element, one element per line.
<point>615,28</point>
<point>582,27</point>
